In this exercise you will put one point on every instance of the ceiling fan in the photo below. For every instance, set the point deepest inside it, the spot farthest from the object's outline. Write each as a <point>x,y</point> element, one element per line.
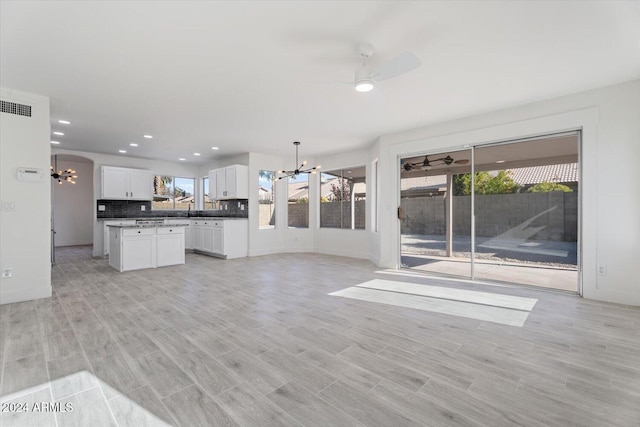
<point>427,164</point>
<point>397,66</point>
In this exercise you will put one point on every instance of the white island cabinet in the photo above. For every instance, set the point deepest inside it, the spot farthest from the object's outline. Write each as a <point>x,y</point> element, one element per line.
<point>170,246</point>
<point>105,227</point>
<point>134,247</point>
<point>224,238</point>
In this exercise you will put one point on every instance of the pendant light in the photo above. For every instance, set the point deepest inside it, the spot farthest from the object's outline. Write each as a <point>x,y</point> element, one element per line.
<point>298,170</point>
<point>66,175</point>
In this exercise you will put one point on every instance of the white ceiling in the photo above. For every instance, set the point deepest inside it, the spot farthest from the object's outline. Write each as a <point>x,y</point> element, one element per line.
<point>255,76</point>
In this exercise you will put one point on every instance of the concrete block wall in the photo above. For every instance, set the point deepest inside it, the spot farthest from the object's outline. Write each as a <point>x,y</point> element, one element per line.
<point>298,215</point>
<point>330,214</point>
<point>536,216</point>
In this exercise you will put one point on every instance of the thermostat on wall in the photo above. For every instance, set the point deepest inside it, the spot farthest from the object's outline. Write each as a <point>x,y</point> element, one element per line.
<point>29,174</point>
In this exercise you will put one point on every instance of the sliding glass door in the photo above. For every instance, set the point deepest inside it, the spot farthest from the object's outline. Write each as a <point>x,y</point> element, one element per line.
<point>526,212</point>
<point>524,200</point>
<point>435,228</point>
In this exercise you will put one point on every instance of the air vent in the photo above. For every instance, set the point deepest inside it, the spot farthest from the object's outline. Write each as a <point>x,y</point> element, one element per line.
<point>15,108</point>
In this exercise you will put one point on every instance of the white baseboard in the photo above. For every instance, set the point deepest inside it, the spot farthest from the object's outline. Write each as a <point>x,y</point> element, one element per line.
<point>347,254</point>
<point>25,295</point>
<point>74,243</point>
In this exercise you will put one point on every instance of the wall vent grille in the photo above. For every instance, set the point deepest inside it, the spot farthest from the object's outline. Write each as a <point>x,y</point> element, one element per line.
<point>15,108</point>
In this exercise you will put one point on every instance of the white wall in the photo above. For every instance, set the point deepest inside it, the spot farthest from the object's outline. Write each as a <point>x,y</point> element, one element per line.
<point>350,243</point>
<point>157,167</point>
<point>73,210</point>
<point>25,243</point>
<point>610,206</point>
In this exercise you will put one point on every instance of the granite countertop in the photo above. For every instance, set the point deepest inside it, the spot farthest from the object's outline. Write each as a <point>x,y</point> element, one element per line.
<point>217,218</point>
<point>149,225</point>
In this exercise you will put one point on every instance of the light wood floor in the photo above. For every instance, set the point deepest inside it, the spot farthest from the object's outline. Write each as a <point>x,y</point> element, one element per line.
<point>258,341</point>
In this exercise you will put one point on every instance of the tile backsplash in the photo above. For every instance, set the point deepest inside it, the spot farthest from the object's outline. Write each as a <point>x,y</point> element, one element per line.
<point>133,209</point>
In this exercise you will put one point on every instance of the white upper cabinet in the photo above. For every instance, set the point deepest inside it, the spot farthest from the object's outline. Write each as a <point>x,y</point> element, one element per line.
<point>126,184</point>
<point>221,184</point>
<point>231,182</point>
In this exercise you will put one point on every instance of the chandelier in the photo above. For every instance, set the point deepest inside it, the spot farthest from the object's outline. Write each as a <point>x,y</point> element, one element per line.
<point>66,175</point>
<point>294,173</point>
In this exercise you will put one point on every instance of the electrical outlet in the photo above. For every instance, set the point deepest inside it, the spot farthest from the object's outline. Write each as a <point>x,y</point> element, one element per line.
<point>7,272</point>
<point>239,203</point>
<point>8,205</point>
<point>242,207</point>
<point>102,208</point>
<point>143,208</point>
<point>602,270</point>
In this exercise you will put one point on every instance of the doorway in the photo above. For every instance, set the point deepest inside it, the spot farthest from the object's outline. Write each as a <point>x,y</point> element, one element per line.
<point>524,196</point>
<point>72,204</point>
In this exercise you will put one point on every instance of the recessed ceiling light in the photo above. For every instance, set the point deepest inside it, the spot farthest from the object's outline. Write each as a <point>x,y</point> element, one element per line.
<point>364,85</point>
<point>55,142</point>
<point>59,133</point>
<point>214,148</point>
<point>196,154</point>
<point>147,136</point>
<point>500,161</point>
<point>133,144</point>
<point>182,159</point>
<point>64,122</point>
<point>122,151</point>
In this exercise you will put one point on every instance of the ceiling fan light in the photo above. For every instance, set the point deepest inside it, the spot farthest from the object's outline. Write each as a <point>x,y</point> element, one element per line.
<point>364,85</point>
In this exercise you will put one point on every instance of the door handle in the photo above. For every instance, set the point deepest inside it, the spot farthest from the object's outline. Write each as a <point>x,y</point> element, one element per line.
<point>127,193</point>
<point>400,213</point>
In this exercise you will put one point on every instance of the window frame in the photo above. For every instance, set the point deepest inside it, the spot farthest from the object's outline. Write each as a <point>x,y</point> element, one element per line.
<point>274,200</point>
<point>173,187</point>
<point>351,221</point>
<point>289,181</point>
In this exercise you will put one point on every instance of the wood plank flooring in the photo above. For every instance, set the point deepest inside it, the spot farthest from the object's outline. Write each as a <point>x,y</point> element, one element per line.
<point>259,341</point>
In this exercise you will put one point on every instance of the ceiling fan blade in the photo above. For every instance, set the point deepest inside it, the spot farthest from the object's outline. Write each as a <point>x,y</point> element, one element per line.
<point>397,66</point>
<point>461,162</point>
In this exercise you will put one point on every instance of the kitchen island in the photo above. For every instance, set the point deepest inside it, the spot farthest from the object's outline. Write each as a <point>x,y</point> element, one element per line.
<point>139,246</point>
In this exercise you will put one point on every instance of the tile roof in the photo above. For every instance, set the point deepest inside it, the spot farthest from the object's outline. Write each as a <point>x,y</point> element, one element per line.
<point>563,173</point>
<point>567,172</point>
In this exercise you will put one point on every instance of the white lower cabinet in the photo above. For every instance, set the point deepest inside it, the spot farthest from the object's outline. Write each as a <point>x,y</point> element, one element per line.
<point>170,246</point>
<point>226,238</point>
<point>137,248</point>
<point>217,235</point>
<point>200,234</point>
<point>188,239</point>
<point>105,227</point>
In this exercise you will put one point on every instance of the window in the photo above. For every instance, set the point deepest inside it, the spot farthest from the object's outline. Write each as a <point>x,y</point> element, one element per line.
<point>374,198</point>
<point>173,193</point>
<point>266,199</point>
<point>207,203</point>
<point>298,201</point>
<point>343,198</point>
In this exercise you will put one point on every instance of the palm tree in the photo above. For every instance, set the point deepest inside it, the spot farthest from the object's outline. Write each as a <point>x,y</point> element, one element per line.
<point>160,184</point>
<point>270,176</point>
